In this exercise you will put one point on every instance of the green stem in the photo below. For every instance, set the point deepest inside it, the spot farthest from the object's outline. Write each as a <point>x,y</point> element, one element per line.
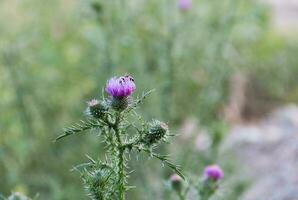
<point>205,197</point>
<point>169,88</point>
<point>121,175</point>
<point>18,88</point>
<point>120,156</point>
<point>180,195</point>
<point>206,193</point>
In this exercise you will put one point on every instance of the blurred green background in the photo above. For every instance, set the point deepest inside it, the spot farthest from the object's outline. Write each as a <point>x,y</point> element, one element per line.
<point>56,55</point>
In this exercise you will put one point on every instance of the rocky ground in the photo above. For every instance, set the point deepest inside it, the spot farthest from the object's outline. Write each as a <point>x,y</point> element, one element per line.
<point>284,14</point>
<point>268,153</point>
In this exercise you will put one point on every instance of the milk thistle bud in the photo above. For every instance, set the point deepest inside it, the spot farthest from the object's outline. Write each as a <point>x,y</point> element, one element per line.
<point>156,132</point>
<point>185,4</point>
<point>120,88</point>
<point>96,108</point>
<point>214,173</point>
<point>176,182</point>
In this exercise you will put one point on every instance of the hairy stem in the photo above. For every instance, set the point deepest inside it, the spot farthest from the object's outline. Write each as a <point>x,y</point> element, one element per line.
<point>120,157</point>
<point>121,175</point>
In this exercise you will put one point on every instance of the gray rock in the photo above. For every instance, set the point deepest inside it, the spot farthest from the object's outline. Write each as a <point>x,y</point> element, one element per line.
<point>268,152</point>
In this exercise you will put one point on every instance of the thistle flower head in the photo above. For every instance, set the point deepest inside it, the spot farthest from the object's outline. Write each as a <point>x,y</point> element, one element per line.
<point>96,108</point>
<point>185,4</point>
<point>156,132</point>
<point>176,182</point>
<point>121,87</point>
<point>214,172</point>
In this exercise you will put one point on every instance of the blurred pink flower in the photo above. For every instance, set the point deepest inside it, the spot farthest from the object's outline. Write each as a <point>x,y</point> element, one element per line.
<point>175,178</point>
<point>176,182</point>
<point>214,172</point>
<point>185,4</point>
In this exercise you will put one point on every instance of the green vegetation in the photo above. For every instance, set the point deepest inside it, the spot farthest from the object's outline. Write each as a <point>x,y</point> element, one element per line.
<point>54,55</point>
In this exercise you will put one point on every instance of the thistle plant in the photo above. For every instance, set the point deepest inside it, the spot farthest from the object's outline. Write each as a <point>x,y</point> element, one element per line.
<point>206,187</point>
<point>123,131</point>
<point>212,175</point>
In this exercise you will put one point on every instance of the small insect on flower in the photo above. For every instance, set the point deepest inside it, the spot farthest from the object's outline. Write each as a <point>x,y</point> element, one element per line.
<point>214,172</point>
<point>96,108</point>
<point>185,4</point>
<point>176,182</point>
<point>121,87</point>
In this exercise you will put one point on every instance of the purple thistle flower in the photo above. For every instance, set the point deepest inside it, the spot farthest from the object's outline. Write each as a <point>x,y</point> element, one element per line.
<point>214,172</point>
<point>185,4</point>
<point>121,87</point>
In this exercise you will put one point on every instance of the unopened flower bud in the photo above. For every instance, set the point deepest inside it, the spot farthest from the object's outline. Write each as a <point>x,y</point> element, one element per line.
<point>95,182</point>
<point>96,108</point>
<point>176,182</point>
<point>156,132</point>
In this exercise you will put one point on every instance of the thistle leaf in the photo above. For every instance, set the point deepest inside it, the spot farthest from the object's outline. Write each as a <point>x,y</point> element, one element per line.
<point>165,160</point>
<point>140,100</point>
<point>79,127</point>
